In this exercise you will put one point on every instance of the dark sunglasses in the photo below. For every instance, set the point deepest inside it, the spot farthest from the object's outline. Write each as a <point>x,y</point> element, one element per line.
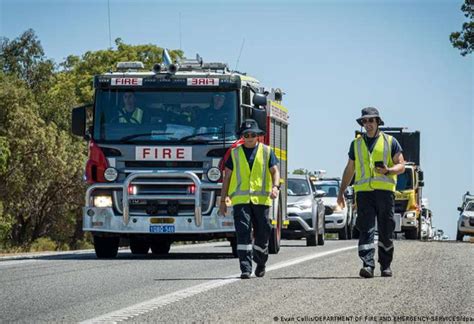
<point>368,120</point>
<point>250,135</point>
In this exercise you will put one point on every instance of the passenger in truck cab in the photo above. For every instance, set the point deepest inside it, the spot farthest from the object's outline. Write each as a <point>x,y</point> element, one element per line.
<point>217,113</point>
<point>130,113</point>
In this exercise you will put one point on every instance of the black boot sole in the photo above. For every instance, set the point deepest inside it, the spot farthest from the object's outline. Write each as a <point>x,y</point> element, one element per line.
<point>364,273</point>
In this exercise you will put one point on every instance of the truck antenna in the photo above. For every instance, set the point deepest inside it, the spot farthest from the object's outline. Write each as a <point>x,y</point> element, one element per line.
<point>240,53</point>
<point>110,33</point>
<point>180,48</point>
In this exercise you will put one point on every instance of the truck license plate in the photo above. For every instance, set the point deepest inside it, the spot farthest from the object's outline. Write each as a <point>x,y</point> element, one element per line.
<point>161,228</point>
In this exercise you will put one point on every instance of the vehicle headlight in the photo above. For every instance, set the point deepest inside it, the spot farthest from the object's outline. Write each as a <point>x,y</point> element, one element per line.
<point>305,204</point>
<point>102,201</point>
<point>214,174</point>
<point>110,174</point>
<point>410,215</point>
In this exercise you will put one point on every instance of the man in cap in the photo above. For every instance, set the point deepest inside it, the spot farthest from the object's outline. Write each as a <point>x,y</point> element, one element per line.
<point>252,181</point>
<point>376,159</point>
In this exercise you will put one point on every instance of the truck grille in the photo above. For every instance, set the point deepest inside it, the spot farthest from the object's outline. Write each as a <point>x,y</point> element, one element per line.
<point>401,206</point>
<point>164,207</point>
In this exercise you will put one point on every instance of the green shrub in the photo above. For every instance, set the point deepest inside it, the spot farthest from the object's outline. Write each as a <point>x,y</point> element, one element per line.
<point>43,244</point>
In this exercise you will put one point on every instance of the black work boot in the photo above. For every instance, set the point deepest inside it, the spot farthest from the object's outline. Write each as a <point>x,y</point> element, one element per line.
<point>366,272</point>
<point>386,272</point>
<point>260,271</point>
<point>245,275</point>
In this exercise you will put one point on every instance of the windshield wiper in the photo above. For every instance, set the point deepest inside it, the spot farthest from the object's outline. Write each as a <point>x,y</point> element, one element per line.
<point>130,137</point>
<point>185,138</point>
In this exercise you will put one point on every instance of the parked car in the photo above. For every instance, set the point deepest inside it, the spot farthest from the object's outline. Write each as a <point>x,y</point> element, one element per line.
<point>306,211</point>
<point>466,221</point>
<point>341,219</point>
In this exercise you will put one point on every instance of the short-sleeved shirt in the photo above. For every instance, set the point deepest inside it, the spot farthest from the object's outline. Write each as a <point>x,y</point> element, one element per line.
<point>370,142</point>
<point>250,155</point>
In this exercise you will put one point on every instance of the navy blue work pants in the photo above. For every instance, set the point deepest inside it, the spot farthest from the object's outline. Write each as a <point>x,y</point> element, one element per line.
<point>371,205</point>
<point>246,217</point>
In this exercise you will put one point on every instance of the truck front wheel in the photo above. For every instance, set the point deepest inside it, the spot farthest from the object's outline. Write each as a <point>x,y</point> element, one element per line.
<point>275,236</point>
<point>106,247</point>
<point>411,234</point>
<point>459,236</point>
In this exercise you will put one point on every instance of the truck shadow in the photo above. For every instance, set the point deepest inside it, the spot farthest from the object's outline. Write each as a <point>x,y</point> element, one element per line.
<point>130,256</point>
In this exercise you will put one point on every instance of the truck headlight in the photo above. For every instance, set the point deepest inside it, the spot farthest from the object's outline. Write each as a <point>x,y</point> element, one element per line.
<point>305,204</point>
<point>110,174</point>
<point>410,215</point>
<point>102,201</point>
<point>214,174</point>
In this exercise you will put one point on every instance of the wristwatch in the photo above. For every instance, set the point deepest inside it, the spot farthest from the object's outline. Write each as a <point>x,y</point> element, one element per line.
<point>275,186</point>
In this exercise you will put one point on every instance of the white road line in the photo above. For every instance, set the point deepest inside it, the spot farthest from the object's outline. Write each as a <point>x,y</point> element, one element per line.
<point>36,255</point>
<point>155,303</point>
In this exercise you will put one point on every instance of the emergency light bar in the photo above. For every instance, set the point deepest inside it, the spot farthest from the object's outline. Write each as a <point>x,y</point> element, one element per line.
<point>121,66</point>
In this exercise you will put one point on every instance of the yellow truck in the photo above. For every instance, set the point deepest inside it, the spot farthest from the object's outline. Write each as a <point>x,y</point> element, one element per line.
<point>408,197</point>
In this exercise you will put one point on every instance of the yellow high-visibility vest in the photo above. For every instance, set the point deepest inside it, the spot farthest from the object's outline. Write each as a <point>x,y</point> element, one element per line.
<point>135,118</point>
<point>366,177</point>
<point>251,185</point>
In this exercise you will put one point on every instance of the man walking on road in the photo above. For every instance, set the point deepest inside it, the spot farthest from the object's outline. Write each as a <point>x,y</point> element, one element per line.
<point>252,181</point>
<point>376,159</point>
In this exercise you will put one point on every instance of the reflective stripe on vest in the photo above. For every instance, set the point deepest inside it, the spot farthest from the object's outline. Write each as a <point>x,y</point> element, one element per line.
<point>251,185</point>
<point>366,178</point>
<point>136,117</point>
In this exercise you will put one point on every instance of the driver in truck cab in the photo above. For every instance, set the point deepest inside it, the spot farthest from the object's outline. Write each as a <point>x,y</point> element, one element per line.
<point>130,113</point>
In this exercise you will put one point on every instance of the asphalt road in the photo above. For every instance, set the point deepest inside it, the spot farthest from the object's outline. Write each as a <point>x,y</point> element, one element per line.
<point>432,281</point>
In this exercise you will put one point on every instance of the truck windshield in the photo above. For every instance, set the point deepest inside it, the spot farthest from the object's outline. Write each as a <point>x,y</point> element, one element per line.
<point>405,180</point>
<point>330,187</point>
<point>165,116</point>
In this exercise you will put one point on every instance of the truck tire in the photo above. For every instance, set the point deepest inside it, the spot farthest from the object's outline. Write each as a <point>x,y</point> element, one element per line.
<point>344,233</point>
<point>349,231</point>
<point>160,247</point>
<point>311,239</point>
<point>106,247</point>
<point>139,246</point>
<point>355,233</point>
<point>459,236</point>
<point>411,234</point>
<point>233,245</point>
<point>275,235</point>
<point>321,237</point>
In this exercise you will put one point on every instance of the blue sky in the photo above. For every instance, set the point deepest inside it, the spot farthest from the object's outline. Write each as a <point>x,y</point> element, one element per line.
<point>332,58</point>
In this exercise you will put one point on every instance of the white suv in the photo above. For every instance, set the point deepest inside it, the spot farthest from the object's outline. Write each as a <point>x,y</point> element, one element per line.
<point>466,221</point>
<point>340,221</point>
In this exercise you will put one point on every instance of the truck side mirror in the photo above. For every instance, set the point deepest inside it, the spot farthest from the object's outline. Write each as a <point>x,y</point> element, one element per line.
<point>421,183</point>
<point>259,99</point>
<point>260,116</point>
<point>421,176</point>
<point>320,194</point>
<point>79,116</point>
<point>460,209</point>
<point>348,194</point>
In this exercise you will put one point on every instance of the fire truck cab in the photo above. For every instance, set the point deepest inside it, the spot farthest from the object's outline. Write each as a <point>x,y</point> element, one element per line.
<point>157,141</point>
